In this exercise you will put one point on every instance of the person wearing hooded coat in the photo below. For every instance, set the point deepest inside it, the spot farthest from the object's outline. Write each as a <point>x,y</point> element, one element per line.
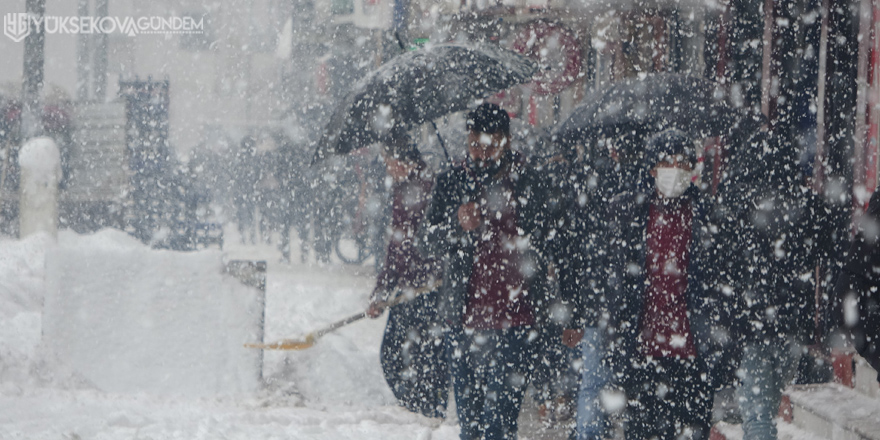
<point>659,256</point>
<point>413,351</point>
<point>579,257</point>
<point>486,222</point>
<point>775,233</point>
<point>856,309</point>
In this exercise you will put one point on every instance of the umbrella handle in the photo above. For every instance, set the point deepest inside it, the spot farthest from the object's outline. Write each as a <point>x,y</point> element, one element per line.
<point>442,144</point>
<point>439,138</point>
<point>399,40</point>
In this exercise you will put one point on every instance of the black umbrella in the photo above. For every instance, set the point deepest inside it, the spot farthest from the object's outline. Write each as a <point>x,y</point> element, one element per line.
<point>655,103</point>
<point>418,87</point>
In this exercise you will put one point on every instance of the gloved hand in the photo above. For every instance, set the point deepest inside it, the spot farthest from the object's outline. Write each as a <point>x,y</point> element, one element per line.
<point>377,303</point>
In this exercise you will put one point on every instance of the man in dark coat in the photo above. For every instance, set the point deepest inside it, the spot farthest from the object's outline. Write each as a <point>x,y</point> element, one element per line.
<point>484,216</point>
<point>775,232</point>
<point>660,249</point>
<point>857,292</point>
<point>579,258</point>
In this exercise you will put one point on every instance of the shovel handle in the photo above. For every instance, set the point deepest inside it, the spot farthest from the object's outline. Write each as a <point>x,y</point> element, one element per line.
<point>338,324</point>
<point>310,339</point>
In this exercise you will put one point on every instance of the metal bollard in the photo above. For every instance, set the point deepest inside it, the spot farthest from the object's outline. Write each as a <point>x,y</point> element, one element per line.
<point>252,274</point>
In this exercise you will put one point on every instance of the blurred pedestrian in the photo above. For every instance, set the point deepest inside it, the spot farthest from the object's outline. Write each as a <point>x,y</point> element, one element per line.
<point>303,198</point>
<point>268,197</point>
<point>288,175</point>
<point>658,254</point>
<point>582,282</point>
<point>781,227</point>
<point>329,188</point>
<point>857,292</point>
<point>554,376</point>
<point>480,220</point>
<point>413,353</point>
<point>243,199</point>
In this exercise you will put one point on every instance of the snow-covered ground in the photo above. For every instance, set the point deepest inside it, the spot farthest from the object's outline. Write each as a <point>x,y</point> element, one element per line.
<point>334,390</point>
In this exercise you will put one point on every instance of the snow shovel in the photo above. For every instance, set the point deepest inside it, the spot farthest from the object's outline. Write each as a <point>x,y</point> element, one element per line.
<point>309,339</point>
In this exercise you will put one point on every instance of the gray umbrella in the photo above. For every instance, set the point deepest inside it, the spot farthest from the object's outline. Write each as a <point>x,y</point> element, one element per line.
<point>655,103</point>
<point>418,87</point>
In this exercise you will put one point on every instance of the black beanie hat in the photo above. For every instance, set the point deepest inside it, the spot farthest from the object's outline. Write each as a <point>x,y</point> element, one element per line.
<point>488,118</point>
<point>671,142</point>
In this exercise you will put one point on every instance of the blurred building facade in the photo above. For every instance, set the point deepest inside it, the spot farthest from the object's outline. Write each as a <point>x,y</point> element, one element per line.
<point>281,64</point>
<point>227,76</point>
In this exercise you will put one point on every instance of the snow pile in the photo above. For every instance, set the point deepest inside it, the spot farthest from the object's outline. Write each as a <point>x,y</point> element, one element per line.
<point>130,319</point>
<point>123,317</point>
<point>22,270</point>
<point>332,391</point>
<point>40,156</point>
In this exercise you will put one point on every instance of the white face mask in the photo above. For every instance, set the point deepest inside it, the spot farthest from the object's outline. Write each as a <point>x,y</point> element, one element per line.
<point>672,182</point>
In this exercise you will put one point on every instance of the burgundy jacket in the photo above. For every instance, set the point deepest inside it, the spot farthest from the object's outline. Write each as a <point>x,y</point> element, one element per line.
<point>404,265</point>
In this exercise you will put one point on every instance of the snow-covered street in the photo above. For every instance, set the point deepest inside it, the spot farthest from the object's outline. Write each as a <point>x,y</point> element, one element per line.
<point>440,219</point>
<point>46,413</point>
<point>334,390</point>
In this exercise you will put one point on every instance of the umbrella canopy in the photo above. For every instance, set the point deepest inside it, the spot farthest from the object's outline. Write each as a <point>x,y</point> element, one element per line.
<point>417,87</point>
<point>655,103</point>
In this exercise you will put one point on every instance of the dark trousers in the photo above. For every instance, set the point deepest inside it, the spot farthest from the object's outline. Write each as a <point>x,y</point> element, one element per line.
<point>489,378</point>
<point>669,398</point>
<point>857,311</point>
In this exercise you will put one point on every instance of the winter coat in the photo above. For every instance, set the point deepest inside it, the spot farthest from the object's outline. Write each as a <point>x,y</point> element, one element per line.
<point>578,250</point>
<point>776,245</point>
<point>773,232</point>
<point>860,276</point>
<point>863,258</point>
<point>404,266</point>
<point>444,238</point>
<point>626,254</point>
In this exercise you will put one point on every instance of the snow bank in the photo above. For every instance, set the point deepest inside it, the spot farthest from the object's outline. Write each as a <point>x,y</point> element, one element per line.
<point>40,155</point>
<point>332,391</point>
<point>22,271</point>
<point>132,319</point>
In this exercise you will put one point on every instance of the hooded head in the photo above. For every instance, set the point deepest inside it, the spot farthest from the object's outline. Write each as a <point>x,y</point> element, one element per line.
<point>401,156</point>
<point>488,118</point>
<point>672,159</point>
<point>488,134</point>
<point>396,139</point>
<point>671,143</point>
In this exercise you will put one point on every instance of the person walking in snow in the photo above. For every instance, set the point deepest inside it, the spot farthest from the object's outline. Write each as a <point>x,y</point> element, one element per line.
<point>412,353</point>
<point>658,252</point>
<point>580,265</point>
<point>555,371</point>
<point>485,216</point>
<point>244,187</point>
<point>776,224</point>
<point>856,309</point>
